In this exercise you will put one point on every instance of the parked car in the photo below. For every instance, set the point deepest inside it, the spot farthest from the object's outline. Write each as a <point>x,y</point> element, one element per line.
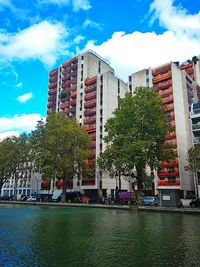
<point>32,198</point>
<point>195,203</point>
<point>150,201</point>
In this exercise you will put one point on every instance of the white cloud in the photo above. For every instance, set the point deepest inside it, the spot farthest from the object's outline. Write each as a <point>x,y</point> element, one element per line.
<point>176,19</point>
<point>44,41</point>
<point>78,39</point>
<point>128,53</point>
<point>81,4</point>
<point>19,123</point>
<point>19,84</point>
<point>25,97</point>
<point>8,134</point>
<point>92,24</point>
<point>76,4</point>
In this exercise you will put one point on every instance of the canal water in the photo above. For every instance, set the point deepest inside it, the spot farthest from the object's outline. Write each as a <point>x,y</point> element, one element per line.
<point>36,236</point>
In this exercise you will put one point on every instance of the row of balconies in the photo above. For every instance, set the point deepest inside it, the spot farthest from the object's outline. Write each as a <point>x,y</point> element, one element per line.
<point>90,129</point>
<point>162,77</point>
<point>70,62</point>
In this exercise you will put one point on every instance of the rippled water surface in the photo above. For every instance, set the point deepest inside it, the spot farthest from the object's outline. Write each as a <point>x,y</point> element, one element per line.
<point>35,236</point>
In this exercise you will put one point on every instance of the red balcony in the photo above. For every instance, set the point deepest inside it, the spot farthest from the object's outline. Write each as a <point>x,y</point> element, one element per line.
<point>162,69</point>
<point>53,72</point>
<point>90,129</point>
<point>90,96</point>
<point>74,94</point>
<point>163,85</point>
<point>168,173</point>
<point>168,183</point>
<point>166,92</point>
<point>50,105</point>
<point>88,182</point>
<point>52,91</point>
<point>72,103</point>
<point>90,120</point>
<point>73,87</point>
<point>65,84</point>
<point>190,71</point>
<point>90,162</point>
<point>187,66</point>
<point>52,85</point>
<point>168,99</point>
<point>90,88</point>
<point>173,163</point>
<point>91,80</point>
<point>90,112</point>
<point>72,110</point>
<point>171,144</point>
<point>54,78</point>
<point>66,78</point>
<point>90,104</point>
<point>64,105</point>
<point>93,136</point>
<point>162,77</point>
<point>170,136</point>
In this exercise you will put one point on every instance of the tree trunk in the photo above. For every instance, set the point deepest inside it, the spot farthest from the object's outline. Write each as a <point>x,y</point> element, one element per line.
<point>140,178</point>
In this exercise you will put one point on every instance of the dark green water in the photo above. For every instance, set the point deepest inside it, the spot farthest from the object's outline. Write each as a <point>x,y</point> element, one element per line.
<point>34,236</point>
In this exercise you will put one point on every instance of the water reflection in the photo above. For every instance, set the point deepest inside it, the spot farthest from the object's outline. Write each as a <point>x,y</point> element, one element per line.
<point>32,236</point>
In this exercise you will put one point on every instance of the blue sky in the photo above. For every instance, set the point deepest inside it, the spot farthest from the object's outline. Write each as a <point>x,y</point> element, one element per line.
<point>38,35</point>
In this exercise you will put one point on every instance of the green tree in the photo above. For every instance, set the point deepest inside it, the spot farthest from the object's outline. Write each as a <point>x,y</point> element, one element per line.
<point>135,136</point>
<point>61,148</point>
<point>193,159</point>
<point>15,161</point>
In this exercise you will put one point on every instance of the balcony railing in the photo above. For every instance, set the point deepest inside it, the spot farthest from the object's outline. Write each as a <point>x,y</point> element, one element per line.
<point>90,129</point>
<point>90,111</point>
<point>74,94</point>
<point>162,77</point>
<point>163,85</point>
<point>169,107</point>
<point>168,183</point>
<point>72,102</point>
<point>90,88</point>
<point>53,72</point>
<point>52,85</point>
<point>189,65</point>
<point>89,120</point>
<point>166,92</point>
<point>90,80</point>
<point>161,69</point>
<point>88,182</point>
<point>64,105</point>
<point>52,91</point>
<point>90,96</point>
<point>196,126</point>
<point>173,163</point>
<point>52,79</point>
<point>93,136</point>
<point>90,162</point>
<point>90,104</point>
<point>168,174</point>
<point>168,99</point>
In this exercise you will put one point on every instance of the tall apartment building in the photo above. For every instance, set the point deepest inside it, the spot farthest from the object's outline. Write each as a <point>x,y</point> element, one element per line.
<point>177,92</point>
<point>86,88</point>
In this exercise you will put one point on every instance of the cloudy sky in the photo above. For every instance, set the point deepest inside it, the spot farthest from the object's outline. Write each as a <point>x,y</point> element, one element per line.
<point>38,35</point>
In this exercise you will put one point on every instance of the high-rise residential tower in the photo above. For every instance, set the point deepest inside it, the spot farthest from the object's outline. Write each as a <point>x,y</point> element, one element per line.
<point>86,88</point>
<point>177,92</point>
